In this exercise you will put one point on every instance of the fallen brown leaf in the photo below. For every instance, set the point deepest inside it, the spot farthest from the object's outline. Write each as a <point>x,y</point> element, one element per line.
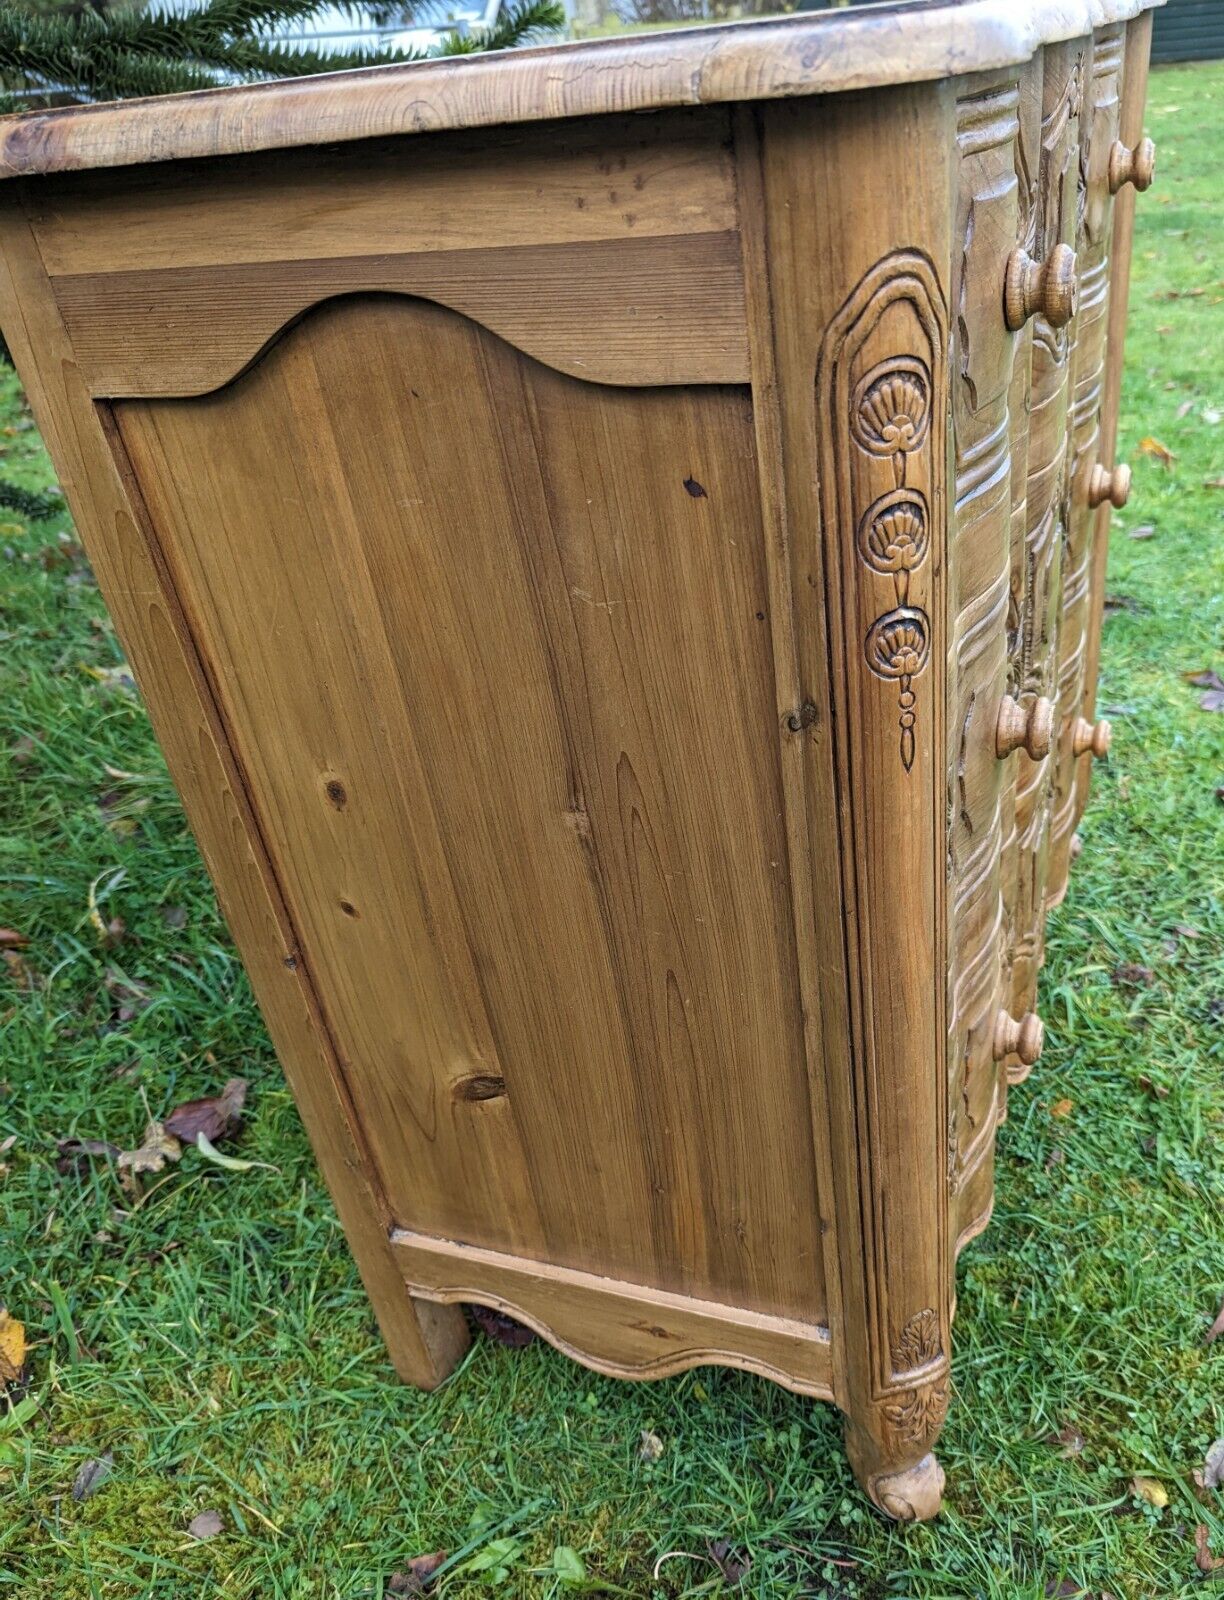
<point>1213,1466</point>
<point>1206,679</point>
<point>10,939</point>
<point>1160,452</point>
<point>1213,700</point>
<point>1203,1558</point>
<point>501,1328</point>
<point>92,1476</point>
<point>1070,1440</point>
<point>1062,1108</point>
<point>216,1117</point>
<point>158,1148</point>
<point>1213,483</point>
<point>733,1566</point>
<point>12,1348</point>
<point>121,811</point>
<point>1145,530</point>
<point>1216,1328</point>
<point>73,1154</point>
<point>127,995</point>
<point>21,974</point>
<point>416,1576</point>
<point>1158,1091</point>
<point>206,1526</point>
<point>21,753</point>
<point>1063,1589</point>
<point>120,678</point>
<point>650,1446</point>
<point>1130,975</point>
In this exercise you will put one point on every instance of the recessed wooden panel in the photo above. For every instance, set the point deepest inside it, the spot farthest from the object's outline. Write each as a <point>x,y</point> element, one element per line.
<point>493,647</point>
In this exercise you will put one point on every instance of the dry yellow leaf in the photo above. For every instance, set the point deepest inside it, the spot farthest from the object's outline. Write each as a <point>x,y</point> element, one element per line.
<point>1062,1108</point>
<point>12,1348</point>
<point>1153,447</point>
<point>1151,1490</point>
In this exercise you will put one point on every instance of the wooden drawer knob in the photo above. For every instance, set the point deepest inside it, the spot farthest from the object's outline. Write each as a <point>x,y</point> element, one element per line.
<point>1137,166</point>
<point>1047,286</point>
<point>1031,731</point>
<point>1090,736</point>
<point>1105,485</point>
<point>1023,1038</point>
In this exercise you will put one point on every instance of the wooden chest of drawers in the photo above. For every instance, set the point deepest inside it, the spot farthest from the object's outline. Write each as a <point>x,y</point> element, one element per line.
<point>611,539</point>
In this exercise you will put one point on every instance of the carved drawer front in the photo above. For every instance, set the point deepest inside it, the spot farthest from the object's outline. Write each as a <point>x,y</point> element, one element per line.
<point>1098,134</point>
<point>1051,164</point>
<point>986,228</point>
<point>1130,171</point>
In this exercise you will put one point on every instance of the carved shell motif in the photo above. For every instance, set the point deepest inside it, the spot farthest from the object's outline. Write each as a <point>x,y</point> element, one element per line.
<point>893,536</point>
<point>898,644</point>
<point>892,407</point>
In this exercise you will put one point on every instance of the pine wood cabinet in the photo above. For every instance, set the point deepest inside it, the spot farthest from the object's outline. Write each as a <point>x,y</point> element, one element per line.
<point>611,539</point>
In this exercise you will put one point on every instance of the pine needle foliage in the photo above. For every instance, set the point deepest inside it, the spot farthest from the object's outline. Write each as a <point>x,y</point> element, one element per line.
<point>27,503</point>
<point>49,56</point>
<point>119,54</point>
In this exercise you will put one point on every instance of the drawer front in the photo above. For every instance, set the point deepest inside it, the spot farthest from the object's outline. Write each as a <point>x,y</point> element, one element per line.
<point>1098,132</point>
<point>986,228</point>
<point>1127,185</point>
<point>1039,539</point>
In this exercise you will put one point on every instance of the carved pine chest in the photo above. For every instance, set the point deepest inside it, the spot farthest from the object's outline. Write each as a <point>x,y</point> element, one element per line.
<point>611,539</point>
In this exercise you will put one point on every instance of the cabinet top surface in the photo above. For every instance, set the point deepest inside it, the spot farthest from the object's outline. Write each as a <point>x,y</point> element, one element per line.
<point>903,41</point>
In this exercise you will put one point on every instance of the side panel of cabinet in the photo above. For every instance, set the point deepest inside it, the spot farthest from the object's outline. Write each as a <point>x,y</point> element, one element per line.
<point>493,648</point>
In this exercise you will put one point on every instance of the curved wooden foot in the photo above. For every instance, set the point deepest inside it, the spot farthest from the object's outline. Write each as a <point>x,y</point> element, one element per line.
<point>912,1493</point>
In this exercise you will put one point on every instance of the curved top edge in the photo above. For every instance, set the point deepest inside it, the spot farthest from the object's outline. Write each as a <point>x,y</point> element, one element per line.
<point>811,53</point>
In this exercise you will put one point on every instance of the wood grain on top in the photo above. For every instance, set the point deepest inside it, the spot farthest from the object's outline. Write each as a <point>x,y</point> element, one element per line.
<point>802,55</point>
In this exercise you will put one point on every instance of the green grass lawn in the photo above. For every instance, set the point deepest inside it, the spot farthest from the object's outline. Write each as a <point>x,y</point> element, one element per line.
<point>213,1336</point>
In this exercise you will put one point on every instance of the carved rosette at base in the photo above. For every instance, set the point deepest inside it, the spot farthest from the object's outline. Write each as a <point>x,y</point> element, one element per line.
<point>906,1494</point>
